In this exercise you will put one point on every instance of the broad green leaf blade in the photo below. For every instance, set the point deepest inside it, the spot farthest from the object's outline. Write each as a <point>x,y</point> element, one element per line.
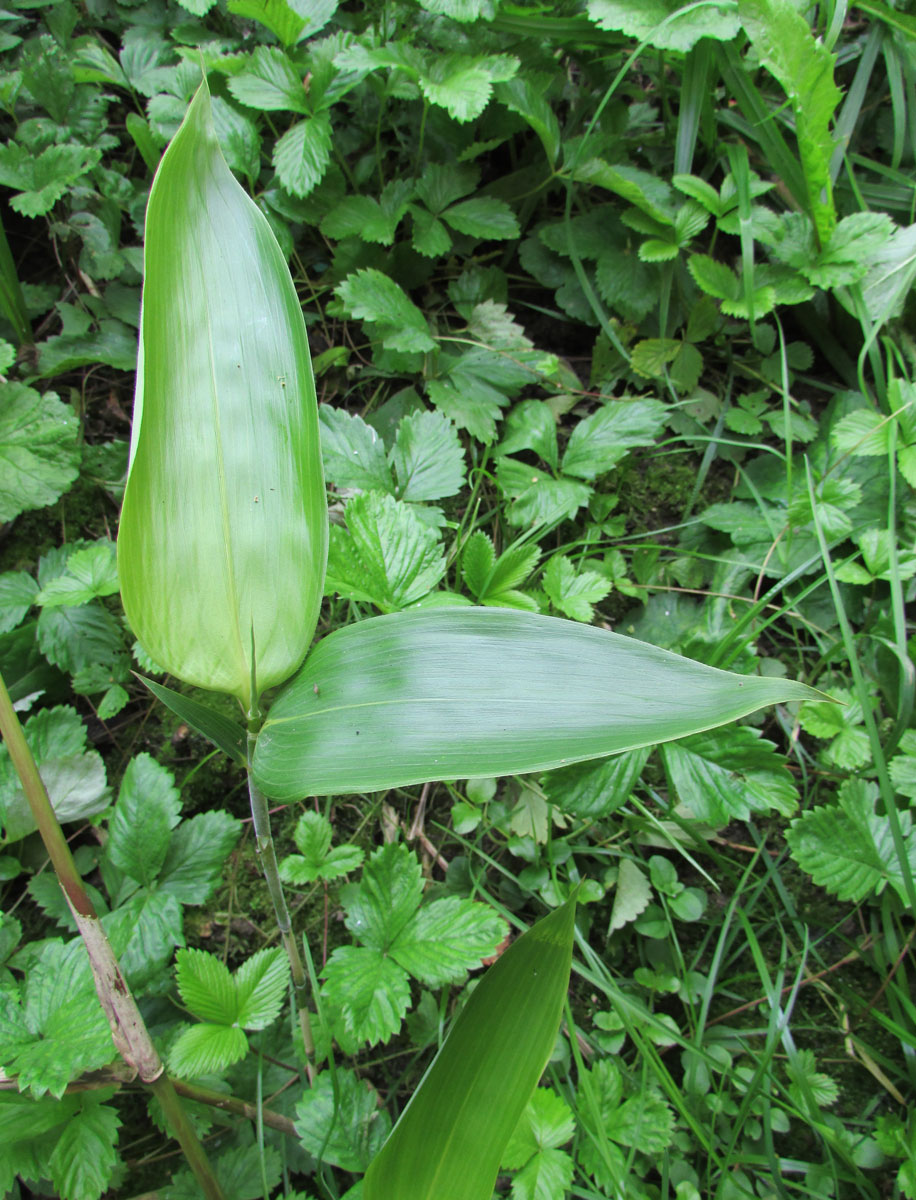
<point>451,1137</point>
<point>473,692</point>
<point>224,528</point>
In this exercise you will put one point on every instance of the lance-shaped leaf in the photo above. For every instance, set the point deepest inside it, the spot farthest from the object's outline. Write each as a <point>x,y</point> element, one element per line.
<point>451,1137</point>
<point>457,694</point>
<point>224,529</point>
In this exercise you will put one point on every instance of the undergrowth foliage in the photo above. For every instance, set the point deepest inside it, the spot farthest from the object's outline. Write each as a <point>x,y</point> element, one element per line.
<point>609,306</point>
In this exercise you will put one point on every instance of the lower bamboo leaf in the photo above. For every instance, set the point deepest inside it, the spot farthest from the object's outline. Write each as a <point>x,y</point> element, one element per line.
<point>452,1136</point>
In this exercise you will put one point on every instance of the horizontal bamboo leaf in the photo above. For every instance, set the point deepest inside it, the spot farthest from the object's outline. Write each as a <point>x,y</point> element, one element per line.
<point>224,530</point>
<point>464,693</point>
<point>450,1139</point>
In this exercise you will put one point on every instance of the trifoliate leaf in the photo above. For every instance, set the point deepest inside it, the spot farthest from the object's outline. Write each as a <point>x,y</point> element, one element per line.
<point>653,20</point>
<point>82,1164</point>
<point>595,789</point>
<point>631,895</point>
<point>849,850</point>
<point>42,179</point>
<point>446,939</point>
<point>74,777</point>
<point>370,219</point>
<point>368,991</point>
<point>270,82</point>
<point>316,859</point>
<point>531,425</point>
<point>39,451</point>
<point>387,896</point>
<point>196,854</point>
<point>427,457</point>
<point>90,572</point>
<point>371,296</point>
<point>60,1030</point>
<point>430,237</point>
<point>643,1122</point>
<point>495,581</point>
<point>207,987</point>
<point>600,441</point>
<point>139,831</point>
<point>469,401</point>
<point>206,1050</point>
<point>352,452</point>
<point>261,984</point>
<point>546,1124</point>
<point>483,217</point>
<point>80,637</point>
<point>346,1130</point>
<point>864,432</point>
<point>302,154</point>
<point>651,356</point>
<point>463,83</point>
<point>729,775</point>
<point>573,593</point>
<point>843,723</point>
<point>803,1067</point>
<point>535,497</point>
<point>387,556</point>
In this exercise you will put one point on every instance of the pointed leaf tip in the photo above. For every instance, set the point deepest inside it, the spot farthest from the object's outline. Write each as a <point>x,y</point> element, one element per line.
<point>224,526</point>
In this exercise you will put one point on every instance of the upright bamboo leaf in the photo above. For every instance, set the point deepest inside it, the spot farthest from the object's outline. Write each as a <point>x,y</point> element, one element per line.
<point>224,529</point>
<point>429,694</point>
<point>804,69</point>
<point>450,1139</point>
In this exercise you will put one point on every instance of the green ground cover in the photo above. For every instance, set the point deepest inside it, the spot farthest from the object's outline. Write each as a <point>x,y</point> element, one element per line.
<point>609,307</point>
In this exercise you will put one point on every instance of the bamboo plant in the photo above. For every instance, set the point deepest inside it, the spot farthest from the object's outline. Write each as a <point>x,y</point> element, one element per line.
<point>222,551</point>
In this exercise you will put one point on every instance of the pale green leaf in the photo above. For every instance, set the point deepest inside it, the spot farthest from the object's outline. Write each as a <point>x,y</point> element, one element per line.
<point>632,894</point>
<point>531,425</point>
<point>352,452</point>
<point>83,1161</point>
<point>848,849</point>
<point>478,692</point>
<point>463,83</point>
<point>261,983</point>
<point>427,457</point>
<point>483,217</point>
<point>90,572</point>
<point>446,939</point>
<point>730,774</point>
<point>573,593</point>
<point>387,897</point>
<point>206,1050</point>
<point>368,992</point>
<point>17,595</point>
<point>862,433</point>
<point>371,296</point>
<point>196,854</point>
<point>535,496</point>
<point>206,987</point>
<point>387,556</point>
<point>270,82</point>
<point>595,789</point>
<point>302,154</point>
<point>654,21</point>
<point>39,451</point>
<point>526,95</point>
<point>469,401</point>
<point>74,776</point>
<point>231,562</point>
<point>600,441</point>
<point>148,808</point>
